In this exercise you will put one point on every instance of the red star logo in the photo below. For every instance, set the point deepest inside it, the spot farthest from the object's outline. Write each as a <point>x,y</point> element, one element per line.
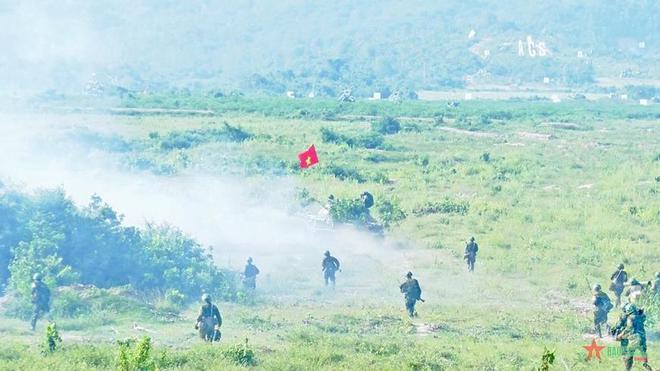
<point>593,348</point>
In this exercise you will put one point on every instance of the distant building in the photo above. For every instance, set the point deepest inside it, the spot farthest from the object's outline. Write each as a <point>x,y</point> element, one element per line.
<point>290,94</point>
<point>486,53</point>
<point>376,96</point>
<point>472,34</point>
<point>555,99</point>
<point>580,54</point>
<point>546,80</point>
<point>624,96</point>
<point>643,102</point>
<point>641,45</point>
<point>468,96</point>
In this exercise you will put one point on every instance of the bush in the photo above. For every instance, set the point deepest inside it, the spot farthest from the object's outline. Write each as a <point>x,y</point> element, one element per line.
<point>191,138</point>
<point>345,173</point>
<point>390,213</point>
<point>52,339</point>
<point>89,245</point>
<point>366,140</point>
<point>135,359</point>
<point>445,206</point>
<point>388,125</point>
<point>349,211</point>
<point>240,354</point>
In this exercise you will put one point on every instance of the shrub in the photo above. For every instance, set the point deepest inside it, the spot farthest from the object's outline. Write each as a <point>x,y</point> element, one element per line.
<point>190,138</point>
<point>89,245</point>
<point>366,140</point>
<point>390,213</point>
<point>345,173</point>
<point>349,211</point>
<point>388,125</point>
<point>137,359</point>
<point>445,206</point>
<point>240,354</point>
<point>52,339</point>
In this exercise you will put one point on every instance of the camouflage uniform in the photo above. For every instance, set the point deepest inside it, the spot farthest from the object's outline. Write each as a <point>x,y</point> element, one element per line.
<point>208,320</point>
<point>412,292</point>
<point>633,337</point>
<point>330,265</point>
<point>250,275</point>
<point>618,278</point>
<point>635,291</point>
<point>602,306</point>
<point>40,300</point>
<point>470,254</point>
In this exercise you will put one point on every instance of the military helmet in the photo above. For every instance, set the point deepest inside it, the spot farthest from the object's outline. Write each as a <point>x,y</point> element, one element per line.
<point>597,287</point>
<point>327,253</point>
<point>657,274</point>
<point>249,259</point>
<point>634,281</point>
<point>409,274</point>
<point>37,277</point>
<point>206,298</point>
<point>630,308</point>
<point>471,238</point>
<point>621,266</point>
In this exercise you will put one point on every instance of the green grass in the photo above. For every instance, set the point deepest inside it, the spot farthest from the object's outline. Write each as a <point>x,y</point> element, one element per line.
<point>547,214</point>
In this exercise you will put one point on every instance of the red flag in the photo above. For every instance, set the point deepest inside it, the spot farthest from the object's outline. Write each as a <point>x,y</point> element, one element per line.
<point>308,158</point>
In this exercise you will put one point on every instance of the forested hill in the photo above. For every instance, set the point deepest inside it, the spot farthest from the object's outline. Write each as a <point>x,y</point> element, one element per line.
<point>322,46</point>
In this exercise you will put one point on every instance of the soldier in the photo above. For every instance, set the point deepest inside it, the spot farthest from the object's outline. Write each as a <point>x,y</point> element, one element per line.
<point>618,278</point>
<point>330,265</point>
<point>40,299</point>
<point>602,306</point>
<point>250,275</point>
<point>635,291</point>
<point>632,335</point>
<point>209,320</point>
<point>330,202</point>
<point>470,254</point>
<point>412,292</point>
<point>367,199</point>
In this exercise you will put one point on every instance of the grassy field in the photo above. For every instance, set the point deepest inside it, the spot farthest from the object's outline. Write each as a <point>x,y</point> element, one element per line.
<point>556,195</point>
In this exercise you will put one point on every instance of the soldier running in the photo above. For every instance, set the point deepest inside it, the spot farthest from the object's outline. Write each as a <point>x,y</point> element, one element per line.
<point>412,293</point>
<point>635,291</point>
<point>632,335</point>
<point>618,278</point>
<point>250,275</point>
<point>208,320</point>
<point>470,254</point>
<point>602,306</point>
<point>330,265</point>
<point>40,299</point>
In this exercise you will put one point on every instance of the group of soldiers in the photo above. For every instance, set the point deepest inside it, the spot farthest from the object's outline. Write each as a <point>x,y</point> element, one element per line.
<point>209,318</point>
<point>630,329</point>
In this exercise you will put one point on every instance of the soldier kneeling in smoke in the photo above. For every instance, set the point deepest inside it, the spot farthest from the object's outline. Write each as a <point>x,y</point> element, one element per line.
<point>209,320</point>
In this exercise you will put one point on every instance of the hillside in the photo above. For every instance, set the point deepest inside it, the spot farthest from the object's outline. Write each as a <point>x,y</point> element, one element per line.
<point>312,47</point>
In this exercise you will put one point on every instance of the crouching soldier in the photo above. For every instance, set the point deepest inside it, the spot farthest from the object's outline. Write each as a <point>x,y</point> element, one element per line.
<point>209,320</point>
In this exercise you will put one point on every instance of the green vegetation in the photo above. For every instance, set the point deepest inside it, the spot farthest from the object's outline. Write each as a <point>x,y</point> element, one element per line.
<point>553,193</point>
<point>48,234</point>
<point>383,46</point>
